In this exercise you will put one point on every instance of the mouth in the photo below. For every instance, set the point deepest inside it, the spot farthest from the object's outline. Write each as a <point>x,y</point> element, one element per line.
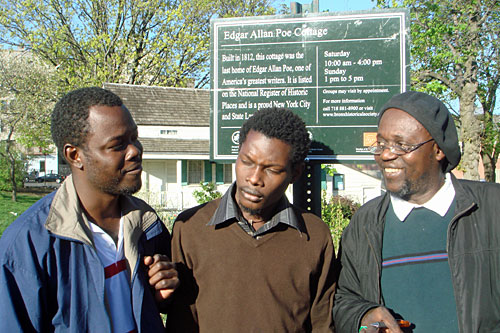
<point>251,195</point>
<point>392,173</point>
<point>137,169</point>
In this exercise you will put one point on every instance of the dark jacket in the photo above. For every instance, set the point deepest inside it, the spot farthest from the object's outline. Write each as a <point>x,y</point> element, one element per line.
<point>473,248</point>
<point>51,278</point>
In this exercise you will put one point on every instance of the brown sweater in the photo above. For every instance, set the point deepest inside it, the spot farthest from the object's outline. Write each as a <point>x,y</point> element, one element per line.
<point>232,282</point>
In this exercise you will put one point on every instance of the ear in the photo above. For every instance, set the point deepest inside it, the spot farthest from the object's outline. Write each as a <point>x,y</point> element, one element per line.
<point>440,156</point>
<point>73,156</point>
<point>297,171</point>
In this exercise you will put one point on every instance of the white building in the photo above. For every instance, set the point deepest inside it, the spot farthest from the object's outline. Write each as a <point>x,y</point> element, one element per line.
<point>354,183</point>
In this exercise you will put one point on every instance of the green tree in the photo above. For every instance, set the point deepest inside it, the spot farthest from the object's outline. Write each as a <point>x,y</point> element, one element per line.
<point>450,41</point>
<point>27,92</point>
<point>151,42</point>
<point>207,193</point>
<point>7,168</point>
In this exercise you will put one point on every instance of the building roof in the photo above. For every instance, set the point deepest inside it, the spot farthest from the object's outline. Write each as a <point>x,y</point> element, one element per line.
<point>165,106</point>
<point>172,146</point>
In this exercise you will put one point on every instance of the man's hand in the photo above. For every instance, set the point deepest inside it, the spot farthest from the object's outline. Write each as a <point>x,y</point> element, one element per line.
<point>162,275</point>
<point>381,314</point>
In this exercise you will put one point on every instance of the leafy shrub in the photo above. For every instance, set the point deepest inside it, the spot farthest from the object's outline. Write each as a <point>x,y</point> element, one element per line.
<point>337,211</point>
<point>167,216</point>
<point>207,193</point>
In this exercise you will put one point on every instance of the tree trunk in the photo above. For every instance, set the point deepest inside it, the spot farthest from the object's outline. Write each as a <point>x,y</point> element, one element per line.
<point>13,179</point>
<point>489,165</point>
<point>470,132</point>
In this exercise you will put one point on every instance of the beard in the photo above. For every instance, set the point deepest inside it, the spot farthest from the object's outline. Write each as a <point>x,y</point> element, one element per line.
<point>411,187</point>
<point>404,192</point>
<point>110,184</point>
<point>113,187</point>
<point>253,212</point>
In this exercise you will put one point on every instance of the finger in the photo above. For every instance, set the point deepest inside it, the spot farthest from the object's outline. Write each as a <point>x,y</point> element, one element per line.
<point>163,275</point>
<point>383,315</point>
<point>148,260</point>
<point>159,257</point>
<point>392,326</point>
<point>151,260</point>
<point>161,265</point>
<point>171,283</point>
<point>164,294</point>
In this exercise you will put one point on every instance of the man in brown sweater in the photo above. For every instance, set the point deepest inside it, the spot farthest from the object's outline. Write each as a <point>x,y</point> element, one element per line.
<point>251,261</point>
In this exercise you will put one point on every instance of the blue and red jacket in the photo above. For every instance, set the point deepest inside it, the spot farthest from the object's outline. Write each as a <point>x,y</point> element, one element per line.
<point>51,278</point>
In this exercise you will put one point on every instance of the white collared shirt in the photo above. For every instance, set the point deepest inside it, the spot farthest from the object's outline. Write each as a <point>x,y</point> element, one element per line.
<point>439,203</point>
<point>117,286</point>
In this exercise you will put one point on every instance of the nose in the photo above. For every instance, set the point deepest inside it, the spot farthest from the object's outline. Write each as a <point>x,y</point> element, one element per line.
<point>254,176</point>
<point>388,154</point>
<point>134,150</point>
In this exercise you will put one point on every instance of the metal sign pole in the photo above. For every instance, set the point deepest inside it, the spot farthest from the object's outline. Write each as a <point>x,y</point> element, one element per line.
<point>307,189</point>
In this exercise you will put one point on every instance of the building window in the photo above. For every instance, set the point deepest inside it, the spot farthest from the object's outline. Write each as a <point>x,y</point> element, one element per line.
<point>42,166</point>
<point>168,132</point>
<point>228,173</point>
<point>338,181</point>
<point>194,172</point>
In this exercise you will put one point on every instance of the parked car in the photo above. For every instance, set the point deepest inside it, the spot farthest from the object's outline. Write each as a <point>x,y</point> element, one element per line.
<point>50,177</point>
<point>30,176</point>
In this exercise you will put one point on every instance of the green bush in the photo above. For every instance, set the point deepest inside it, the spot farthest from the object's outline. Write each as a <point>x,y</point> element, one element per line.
<point>167,216</point>
<point>207,193</point>
<point>337,211</point>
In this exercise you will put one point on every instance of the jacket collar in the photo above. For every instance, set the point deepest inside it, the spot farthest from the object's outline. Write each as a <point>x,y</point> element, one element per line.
<point>66,219</point>
<point>464,199</point>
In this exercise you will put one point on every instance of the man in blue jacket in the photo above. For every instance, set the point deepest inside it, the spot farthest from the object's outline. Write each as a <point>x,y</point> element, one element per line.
<point>89,256</point>
<point>427,251</point>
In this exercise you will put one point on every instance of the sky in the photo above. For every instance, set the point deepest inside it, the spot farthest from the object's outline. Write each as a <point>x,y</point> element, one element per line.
<point>338,5</point>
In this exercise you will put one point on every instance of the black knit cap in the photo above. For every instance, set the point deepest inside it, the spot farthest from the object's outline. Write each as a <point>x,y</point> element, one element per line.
<point>434,116</point>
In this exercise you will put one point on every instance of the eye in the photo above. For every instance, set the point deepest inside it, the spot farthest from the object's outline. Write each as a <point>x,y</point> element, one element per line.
<point>275,171</point>
<point>403,147</point>
<point>245,161</point>
<point>120,145</point>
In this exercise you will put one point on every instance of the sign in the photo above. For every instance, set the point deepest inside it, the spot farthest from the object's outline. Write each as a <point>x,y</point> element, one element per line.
<point>334,70</point>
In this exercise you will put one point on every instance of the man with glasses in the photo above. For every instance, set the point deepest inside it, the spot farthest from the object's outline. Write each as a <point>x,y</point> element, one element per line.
<point>428,251</point>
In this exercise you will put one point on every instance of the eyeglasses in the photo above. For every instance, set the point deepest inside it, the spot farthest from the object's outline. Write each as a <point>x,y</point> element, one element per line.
<point>398,149</point>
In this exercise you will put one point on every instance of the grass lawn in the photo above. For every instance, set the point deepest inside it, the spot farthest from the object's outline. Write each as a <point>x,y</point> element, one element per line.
<point>10,210</point>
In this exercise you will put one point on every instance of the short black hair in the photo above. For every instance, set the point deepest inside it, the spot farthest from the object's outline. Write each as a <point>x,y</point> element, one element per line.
<point>281,124</point>
<point>70,115</point>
